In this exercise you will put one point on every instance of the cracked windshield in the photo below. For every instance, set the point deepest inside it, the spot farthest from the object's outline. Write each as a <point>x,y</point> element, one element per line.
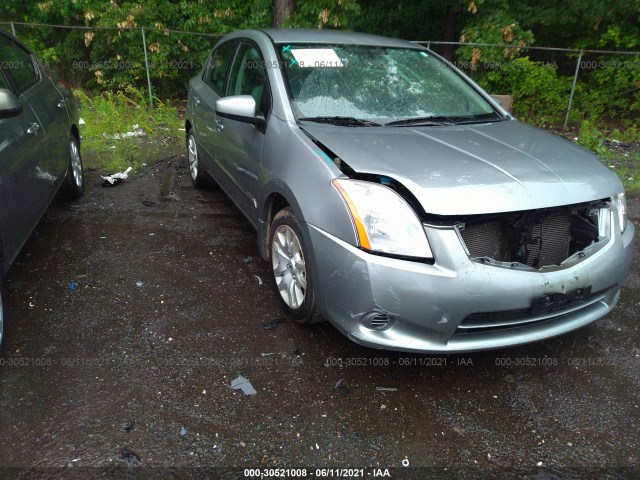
<point>378,85</point>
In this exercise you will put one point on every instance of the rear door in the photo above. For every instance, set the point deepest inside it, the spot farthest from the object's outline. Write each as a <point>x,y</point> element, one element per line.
<point>204,93</point>
<point>23,152</point>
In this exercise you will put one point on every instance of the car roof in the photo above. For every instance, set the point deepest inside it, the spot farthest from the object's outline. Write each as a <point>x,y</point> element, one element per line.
<point>302,35</point>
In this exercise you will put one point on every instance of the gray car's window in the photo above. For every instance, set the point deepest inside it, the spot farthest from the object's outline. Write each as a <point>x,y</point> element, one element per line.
<point>248,75</point>
<point>3,81</point>
<point>219,65</point>
<point>377,83</point>
<point>17,64</point>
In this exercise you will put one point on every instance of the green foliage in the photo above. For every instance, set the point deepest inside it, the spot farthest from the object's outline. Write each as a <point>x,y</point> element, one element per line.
<point>491,23</point>
<point>629,176</point>
<point>576,23</point>
<point>540,96</point>
<point>613,80</point>
<point>110,115</point>
<point>325,14</point>
<point>117,58</point>
<point>408,19</point>
<point>591,138</point>
<point>615,38</point>
<point>626,166</point>
<point>630,134</point>
<point>96,58</point>
<point>622,158</point>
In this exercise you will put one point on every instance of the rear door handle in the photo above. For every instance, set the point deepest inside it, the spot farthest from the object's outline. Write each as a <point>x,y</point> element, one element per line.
<point>61,103</point>
<point>33,129</point>
<point>196,100</point>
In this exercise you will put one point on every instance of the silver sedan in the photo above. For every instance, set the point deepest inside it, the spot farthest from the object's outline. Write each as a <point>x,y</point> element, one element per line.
<point>396,199</point>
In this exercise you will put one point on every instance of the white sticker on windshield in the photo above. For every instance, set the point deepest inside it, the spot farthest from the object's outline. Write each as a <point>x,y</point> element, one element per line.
<point>316,57</point>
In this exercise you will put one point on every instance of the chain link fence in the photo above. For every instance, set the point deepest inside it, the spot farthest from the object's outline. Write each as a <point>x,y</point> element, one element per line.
<point>550,86</point>
<point>554,85</point>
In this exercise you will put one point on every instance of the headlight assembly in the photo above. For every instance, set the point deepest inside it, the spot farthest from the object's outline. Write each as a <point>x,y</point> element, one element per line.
<point>384,221</point>
<point>620,202</point>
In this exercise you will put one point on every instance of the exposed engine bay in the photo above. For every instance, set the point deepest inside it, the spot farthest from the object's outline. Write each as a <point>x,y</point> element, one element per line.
<point>536,238</point>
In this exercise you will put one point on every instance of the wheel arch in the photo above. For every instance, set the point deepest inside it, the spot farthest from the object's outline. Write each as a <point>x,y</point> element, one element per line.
<point>187,126</point>
<point>274,202</point>
<point>76,133</point>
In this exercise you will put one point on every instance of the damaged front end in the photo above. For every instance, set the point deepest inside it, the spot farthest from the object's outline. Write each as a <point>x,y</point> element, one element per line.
<point>536,239</point>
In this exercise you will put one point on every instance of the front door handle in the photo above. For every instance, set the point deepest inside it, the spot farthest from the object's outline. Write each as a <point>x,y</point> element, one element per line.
<point>33,129</point>
<point>61,103</point>
<point>219,125</point>
<point>196,100</point>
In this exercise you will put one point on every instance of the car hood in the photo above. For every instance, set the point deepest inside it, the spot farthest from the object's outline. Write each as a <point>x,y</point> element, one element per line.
<point>472,169</point>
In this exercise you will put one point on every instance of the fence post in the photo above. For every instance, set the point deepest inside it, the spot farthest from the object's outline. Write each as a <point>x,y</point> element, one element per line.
<point>146,66</point>
<point>13,30</point>
<point>573,89</point>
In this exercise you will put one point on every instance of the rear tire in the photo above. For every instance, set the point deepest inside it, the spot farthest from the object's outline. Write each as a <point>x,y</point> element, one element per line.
<point>198,175</point>
<point>73,186</point>
<point>291,269</point>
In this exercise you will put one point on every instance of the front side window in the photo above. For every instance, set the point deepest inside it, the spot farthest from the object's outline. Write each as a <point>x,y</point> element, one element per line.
<point>3,81</point>
<point>217,71</point>
<point>378,84</point>
<point>248,76</point>
<point>17,64</point>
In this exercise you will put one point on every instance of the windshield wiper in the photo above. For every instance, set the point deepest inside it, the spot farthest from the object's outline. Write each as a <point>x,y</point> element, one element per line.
<point>441,120</point>
<point>421,121</point>
<point>347,121</point>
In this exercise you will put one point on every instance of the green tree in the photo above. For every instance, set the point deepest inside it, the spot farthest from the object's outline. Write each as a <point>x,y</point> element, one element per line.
<point>491,21</point>
<point>324,14</point>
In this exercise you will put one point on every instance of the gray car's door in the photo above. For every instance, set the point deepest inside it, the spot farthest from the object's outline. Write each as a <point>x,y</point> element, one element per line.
<point>240,143</point>
<point>49,104</point>
<point>22,143</point>
<point>204,93</point>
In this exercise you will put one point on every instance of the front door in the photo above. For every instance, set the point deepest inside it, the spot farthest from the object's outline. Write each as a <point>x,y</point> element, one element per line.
<point>24,150</point>
<point>240,142</point>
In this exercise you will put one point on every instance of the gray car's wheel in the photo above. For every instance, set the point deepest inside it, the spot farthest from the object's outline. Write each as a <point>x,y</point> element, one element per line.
<point>198,175</point>
<point>74,181</point>
<point>291,268</point>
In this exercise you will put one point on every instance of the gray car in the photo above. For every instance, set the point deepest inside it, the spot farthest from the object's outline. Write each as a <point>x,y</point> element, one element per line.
<point>39,148</point>
<point>396,199</point>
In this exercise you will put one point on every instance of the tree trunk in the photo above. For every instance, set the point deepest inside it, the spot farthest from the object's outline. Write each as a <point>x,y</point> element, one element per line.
<point>282,10</point>
<point>450,21</point>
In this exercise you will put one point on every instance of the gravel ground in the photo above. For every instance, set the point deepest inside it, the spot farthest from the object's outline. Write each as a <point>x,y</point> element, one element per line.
<point>131,311</point>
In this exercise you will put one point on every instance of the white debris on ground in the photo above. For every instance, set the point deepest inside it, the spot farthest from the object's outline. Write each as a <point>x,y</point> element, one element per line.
<point>117,177</point>
<point>136,131</point>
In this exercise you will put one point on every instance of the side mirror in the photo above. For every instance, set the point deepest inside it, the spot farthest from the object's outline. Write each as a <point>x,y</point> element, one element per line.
<point>10,106</point>
<point>241,108</point>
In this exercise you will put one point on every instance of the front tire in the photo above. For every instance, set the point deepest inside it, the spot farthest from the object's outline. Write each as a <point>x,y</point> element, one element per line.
<point>291,268</point>
<point>198,175</point>
<point>74,181</point>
